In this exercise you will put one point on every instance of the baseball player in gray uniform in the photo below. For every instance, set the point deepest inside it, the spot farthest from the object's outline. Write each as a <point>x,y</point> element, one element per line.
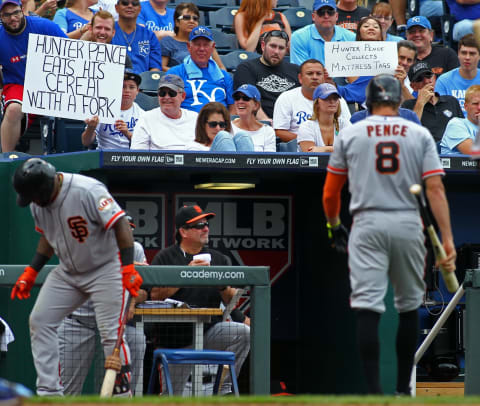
<point>84,226</point>
<point>382,156</point>
<point>77,336</point>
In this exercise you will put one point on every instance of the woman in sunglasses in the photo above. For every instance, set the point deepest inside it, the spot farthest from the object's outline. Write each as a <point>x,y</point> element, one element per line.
<point>75,18</point>
<point>174,49</point>
<point>247,103</point>
<point>213,131</point>
<point>254,19</point>
<point>318,133</point>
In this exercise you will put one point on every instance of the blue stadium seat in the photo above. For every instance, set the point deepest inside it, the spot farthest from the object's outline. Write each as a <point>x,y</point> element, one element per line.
<point>150,79</point>
<point>61,135</point>
<point>224,42</point>
<point>234,58</point>
<point>212,5</point>
<point>223,18</point>
<point>285,4</point>
<point>290,146</point>
<point>298,17</point>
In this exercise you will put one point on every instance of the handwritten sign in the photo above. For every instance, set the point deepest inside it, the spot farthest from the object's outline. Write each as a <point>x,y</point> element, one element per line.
<point>73,79</point>
<point>360,58</point>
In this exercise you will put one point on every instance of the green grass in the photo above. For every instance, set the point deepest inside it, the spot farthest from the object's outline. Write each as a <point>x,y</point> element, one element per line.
<point>304,399</point>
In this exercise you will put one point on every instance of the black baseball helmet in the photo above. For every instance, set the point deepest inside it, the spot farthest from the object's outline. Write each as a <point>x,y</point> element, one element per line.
<point>34,180</point>
<point>383,88</point>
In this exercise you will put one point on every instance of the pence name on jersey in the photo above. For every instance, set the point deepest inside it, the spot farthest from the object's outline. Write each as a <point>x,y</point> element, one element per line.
<point>78,224</point>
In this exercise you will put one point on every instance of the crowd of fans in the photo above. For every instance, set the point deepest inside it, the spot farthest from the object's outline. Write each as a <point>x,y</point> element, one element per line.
<point>283,93</point>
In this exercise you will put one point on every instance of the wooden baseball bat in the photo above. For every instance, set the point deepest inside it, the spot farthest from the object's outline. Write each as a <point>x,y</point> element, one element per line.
<point>449,278</point>
<point>111,374</point>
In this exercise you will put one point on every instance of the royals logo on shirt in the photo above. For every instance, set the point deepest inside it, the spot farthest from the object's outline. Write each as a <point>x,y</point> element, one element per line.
<point>144,47</point>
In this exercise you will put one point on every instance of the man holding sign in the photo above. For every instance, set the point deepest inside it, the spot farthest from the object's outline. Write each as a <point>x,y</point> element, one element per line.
<point>14,33</point>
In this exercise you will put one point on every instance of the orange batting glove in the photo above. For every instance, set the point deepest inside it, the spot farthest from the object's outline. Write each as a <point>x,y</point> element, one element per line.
<point>131,279</point>
<point>24,284</point>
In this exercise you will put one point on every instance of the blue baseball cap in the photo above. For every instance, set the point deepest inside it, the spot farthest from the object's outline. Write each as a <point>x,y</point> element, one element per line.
<point>324,3</point>
<point>250,91</point>
<point>14,2</point>
<point>420,21</point>
<point>324,90</point>
<point>201,31</point>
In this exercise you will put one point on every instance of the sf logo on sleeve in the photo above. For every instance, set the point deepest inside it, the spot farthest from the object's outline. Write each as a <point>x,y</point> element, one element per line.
<point>78,228</point>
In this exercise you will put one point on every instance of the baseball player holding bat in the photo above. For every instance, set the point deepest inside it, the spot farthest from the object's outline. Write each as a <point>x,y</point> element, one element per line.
<point>382,156</point>
<point>83,225</point>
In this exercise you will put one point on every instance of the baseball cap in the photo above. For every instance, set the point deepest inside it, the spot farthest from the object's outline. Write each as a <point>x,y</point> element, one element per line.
<point>131,75</point>
<point>172,81</point>
<point>417,70</point>
<point>419,20</point>
<point>190,214</point>
<point>250,91</point>
<point>324,90</point>
<point>324,3</point>
<point>201,31</point>
<point>14,2</point>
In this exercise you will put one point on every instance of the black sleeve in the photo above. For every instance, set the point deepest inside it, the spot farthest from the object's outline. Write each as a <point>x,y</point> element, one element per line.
<point>452,59</point>
<point>243,74</point>
<point>409,104</point>
<point>458,109</point>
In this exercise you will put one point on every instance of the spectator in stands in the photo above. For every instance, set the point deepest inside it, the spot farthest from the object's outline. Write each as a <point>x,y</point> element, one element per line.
<point>254,19</point>
<point>204,80</point>
<point>168,126</point>
<point>407,54</point>
<point>213,132</point>
<point>46,9</point>
<point>458,80</point>
<point>440,59</point>
<point>383,13</point>
<point>433,110</point>
<point>247,103</point>
<point>119,134</point>
<point>174,48</point>
<point>309,42</point>
<point>270,73</point>
<point>14,32</point>
<point>350,13</point>
<point>460,132</point>
<point>295,106</point>
<point>157,17</point>
<point>75,18</point>
<point>192,232</point>
<point>399,12</point>
<point>464,13</point>
<point>142,45</point>
<point>369,29</point>
<point>318,133</point>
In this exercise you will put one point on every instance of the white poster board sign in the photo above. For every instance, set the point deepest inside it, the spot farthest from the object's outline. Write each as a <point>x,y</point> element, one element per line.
<point>73,79</point>
<point>360,58</point>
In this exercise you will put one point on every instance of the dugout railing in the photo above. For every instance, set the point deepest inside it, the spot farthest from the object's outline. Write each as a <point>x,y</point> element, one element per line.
<point>17,364</point>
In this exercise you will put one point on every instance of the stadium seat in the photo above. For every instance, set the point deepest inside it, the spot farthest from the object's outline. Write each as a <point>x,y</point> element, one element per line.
<point>192,357</point>
<point>61,135</point>
<point>290,146</point>
<point>223,18</point>
<point>234,58</point>
<point>285,4</point>
<point>447,22</point>
<point>150,79</point>
<point>298,17</point>
<point>212,5</point>
<point>224,42</point>
<point>146,102</point>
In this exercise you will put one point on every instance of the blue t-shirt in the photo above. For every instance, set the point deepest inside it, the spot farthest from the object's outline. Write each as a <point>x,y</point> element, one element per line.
<point>394,38</point>
<point>202,91</point>
<point>175,50</point>
<point>145,51</point>
<point>452,84</point>
<point>463,11</point>
<point>68,21</point>
<point>154,21</point>
<point>404,113</point>
<point>13,56</point>
<point>355,92</point>
<point>307,43</point>
<point>457,131</point>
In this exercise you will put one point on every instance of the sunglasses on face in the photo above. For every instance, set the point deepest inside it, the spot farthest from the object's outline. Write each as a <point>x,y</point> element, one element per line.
<point>164,92</point>
<point>126,3</point>
<point>328,11</point>
<point>213,124</point>
<point>427,75</point>
<point>241,96</point>
<point>188,17</point>
<point>276,34</point>
<point>6,16</point>
<point>198,226</point>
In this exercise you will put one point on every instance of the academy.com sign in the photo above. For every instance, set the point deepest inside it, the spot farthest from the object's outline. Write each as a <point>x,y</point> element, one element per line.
<point>203,274</point>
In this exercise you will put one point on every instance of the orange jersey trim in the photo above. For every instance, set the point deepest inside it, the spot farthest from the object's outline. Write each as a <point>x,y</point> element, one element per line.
<point>39,230</point>
<point>434,172</point>
<point>338,171</point>
<point>114,219</point>
<point>332,193</point>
